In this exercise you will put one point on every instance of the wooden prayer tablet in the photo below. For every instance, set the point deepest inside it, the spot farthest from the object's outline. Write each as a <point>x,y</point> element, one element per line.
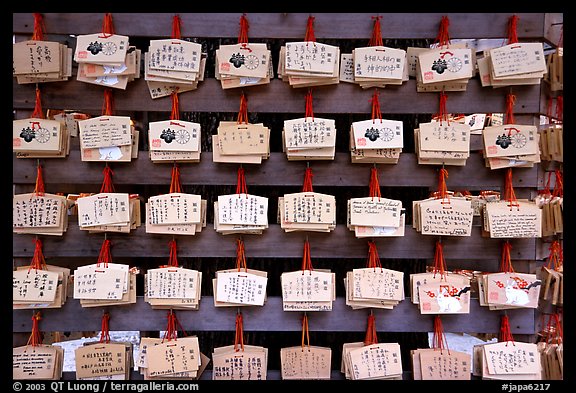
<point>251,363</point>
<point>511,360</point>
<point>308,290</point>
<point>244,287</point>
<point>37,362</point>
<point>307,211</point>
<point>41,62</point>
<point>322,67</point>
<point>173,65</point>
<point>441,364</point>
<point>375,361</point>
<point>29,284</point>
<point>374,288</point>
<point>305,362</point>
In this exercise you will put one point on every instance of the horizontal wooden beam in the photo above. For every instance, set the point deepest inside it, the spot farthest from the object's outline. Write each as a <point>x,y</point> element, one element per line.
<point>275,171</point>
<point>269,318</point>
<point>277,97</point>
<point>273,243</point>
<point>290,25</point>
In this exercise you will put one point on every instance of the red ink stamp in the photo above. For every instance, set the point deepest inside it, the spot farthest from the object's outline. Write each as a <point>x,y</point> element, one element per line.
<point>156,143</point>
<point>426,306</point>
<point>494,295</point>
<point>361,142</point>
<point>87,153</point>
<point>225,66</point>
<point>492,149</point>
<point>82,54</point>
<point>16,142</point>
<point>429,75</point>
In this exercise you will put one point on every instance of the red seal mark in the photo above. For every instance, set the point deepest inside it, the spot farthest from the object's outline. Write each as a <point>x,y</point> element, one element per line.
<point>429,75</point>
<point>486,78</point>
<point>361,142</point>
<point>16,142</point>
<point>82,54</point>
<point>87,153</point>
<point>225,66</point>
<point>426,306</point>
<point>156,143</point>
<point>492,149</point>
<point>493,295</point>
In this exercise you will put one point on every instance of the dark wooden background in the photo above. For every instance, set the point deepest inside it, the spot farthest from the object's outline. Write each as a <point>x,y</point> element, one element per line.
<point>276,251</point>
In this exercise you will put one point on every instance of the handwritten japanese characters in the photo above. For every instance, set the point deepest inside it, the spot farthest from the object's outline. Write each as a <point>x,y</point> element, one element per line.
<point>308,290</point>
<point>174,288</point>
<point>174,208</point>
<point>307,211</point>
<point>35,289</point>
<point>99,282</point>
<point>37,362</point>
<point>240,287</point>
<point>374,288</point>
<point>506,220</point>
<point>39,214</point>
<point>186,214</point>
<point>249,364</point>
<point>163,82</point>
<point>142,361</point>
<point>519,60</point>
<point>172,283</point>
<point>375,361</point>
<point>241,143</point>
<point>34,286</point>
<point>103,209</point>
<point>309,63</point>
<point>238,213</point>
<point>435,364</point>
<point>444,217</point>
<point>445,143</point>
<point>41,62</point>
<point>104,131</point>
<point>309,138</point>
<point>512,360</point>
<point>377,66</point>
<point>173,357</point>
<point>100,359</point>
<point>346,68</point>
<point>308,362</point>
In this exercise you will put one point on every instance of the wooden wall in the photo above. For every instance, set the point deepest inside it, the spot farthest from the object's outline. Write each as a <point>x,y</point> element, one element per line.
<point>276,251</point>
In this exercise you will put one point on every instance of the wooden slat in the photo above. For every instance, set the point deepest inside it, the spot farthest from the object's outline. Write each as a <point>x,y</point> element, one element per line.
<point>271,375</point>
<point>275,171</point>
<point>270,318</point>
<point>553,23</point>
<point>273,243</point>
<point>277,97</point>
<point>289,25</point>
